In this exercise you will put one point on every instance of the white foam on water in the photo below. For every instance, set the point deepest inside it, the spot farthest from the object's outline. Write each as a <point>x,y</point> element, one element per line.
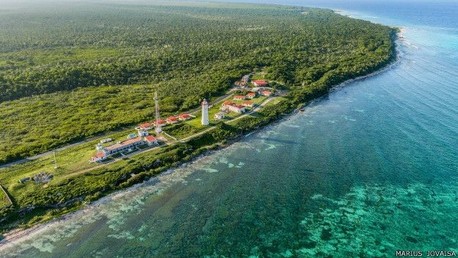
<point>223,160</point>
<point>317,197</point>
<point>113,208</point>
<point>240,165</point>
<point>271,147</point>
<point>210,170</point>
<point>292,126</point>
<point>348,118</point>
<point>123,235</point>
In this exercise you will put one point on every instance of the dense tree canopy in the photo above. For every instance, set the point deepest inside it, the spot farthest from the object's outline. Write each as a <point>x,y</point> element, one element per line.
<point>89,56</point>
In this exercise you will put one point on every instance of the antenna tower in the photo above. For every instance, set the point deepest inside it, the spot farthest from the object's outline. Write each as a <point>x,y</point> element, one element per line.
<point>156,102</point>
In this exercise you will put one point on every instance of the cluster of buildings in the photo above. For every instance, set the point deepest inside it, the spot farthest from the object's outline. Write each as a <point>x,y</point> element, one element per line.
<point>129,145</point>
<point>142,136</point>
<point>260,83</point>
<point>135,140</point>
<point>243,101</point>
<point>163,122</point>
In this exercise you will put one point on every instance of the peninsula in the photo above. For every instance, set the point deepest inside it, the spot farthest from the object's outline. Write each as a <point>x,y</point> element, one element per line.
<point>79,115</point>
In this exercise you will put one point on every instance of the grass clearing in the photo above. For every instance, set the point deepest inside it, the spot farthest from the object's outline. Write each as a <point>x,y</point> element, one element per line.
<point>3,200</point>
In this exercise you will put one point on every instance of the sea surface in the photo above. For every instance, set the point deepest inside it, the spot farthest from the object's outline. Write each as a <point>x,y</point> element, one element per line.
<point>367,170</point>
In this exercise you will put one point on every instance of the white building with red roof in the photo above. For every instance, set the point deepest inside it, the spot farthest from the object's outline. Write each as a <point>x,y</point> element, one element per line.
<point>227,103</point>
<point>260,83</point>
<point>127,145</point>
<point>239,97</point>
<point>249,104</point>
<point>266,93</point>
<point>151,140</point>
<point>232,107</point>
<point>184,117</point>
<point>99,157</point>
<point>251,95</point>
<point>161,122</point>
<point>172,120</point>
<point>145,126</point>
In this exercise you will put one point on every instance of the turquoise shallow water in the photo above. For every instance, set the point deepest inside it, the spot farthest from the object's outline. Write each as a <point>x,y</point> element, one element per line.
<point>367,170</point>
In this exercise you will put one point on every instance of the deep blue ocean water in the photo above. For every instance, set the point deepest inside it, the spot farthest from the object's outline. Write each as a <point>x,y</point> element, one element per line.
<point>367,170</point>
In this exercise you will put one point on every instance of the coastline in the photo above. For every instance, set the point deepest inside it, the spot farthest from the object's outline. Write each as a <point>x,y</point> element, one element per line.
<point>7,239</point>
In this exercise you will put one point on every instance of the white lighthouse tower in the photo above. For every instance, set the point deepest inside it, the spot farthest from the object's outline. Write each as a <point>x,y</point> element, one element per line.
<point>205,112</point>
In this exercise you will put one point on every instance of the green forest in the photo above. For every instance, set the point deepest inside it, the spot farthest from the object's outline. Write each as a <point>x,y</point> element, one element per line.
<point>72,71</point>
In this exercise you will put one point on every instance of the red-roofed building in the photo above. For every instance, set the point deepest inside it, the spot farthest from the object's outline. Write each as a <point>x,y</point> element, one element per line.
<point>160,122</point>
<point>172,120</point>
<point>248,104</point>
<point>239,97</point>
<point>228,103</point>
<point>123,146</point>
<point>151,140</point>
<point>266,93</point>
<point>251,95</point>
<point>99,156</point>
<point>184,117</point>
<point>233,108</point>
<point>260,83</point>
<point>145,126</point>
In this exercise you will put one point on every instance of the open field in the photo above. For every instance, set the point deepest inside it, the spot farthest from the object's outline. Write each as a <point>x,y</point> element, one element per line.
<point>3,200</point>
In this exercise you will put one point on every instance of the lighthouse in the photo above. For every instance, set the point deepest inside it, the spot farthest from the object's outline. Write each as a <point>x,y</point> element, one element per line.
<point>205,112</point>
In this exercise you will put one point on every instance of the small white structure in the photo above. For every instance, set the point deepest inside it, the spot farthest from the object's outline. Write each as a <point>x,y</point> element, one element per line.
<point>142,132</point>
<point>220,115</point>
<point>205,112</point>
<point>106,140</point>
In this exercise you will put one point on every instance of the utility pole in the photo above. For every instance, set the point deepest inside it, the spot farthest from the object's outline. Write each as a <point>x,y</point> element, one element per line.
<point>55,160</point>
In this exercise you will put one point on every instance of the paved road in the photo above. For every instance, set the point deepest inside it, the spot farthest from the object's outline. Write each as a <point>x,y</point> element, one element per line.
<point>168,143</point>
<point>216,101</point>
<point>105,135</point>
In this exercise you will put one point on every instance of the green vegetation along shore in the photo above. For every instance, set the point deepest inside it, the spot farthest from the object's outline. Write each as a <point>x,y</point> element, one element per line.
<point>81,79</point>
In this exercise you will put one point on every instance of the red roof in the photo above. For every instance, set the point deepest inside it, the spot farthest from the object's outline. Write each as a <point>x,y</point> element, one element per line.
<point>248,103</point>
<point>150,138</point>
<point>161,121</point>
<point>251,94</point>
<point>185,116</point>
<point>99,155</point>
<point>228,103</point>
<point>260,82</point>
<point>145,125</point>
<point>239,106</point>
<point>266,92</point>
<point>172,118</point>
<point>239,97</point>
